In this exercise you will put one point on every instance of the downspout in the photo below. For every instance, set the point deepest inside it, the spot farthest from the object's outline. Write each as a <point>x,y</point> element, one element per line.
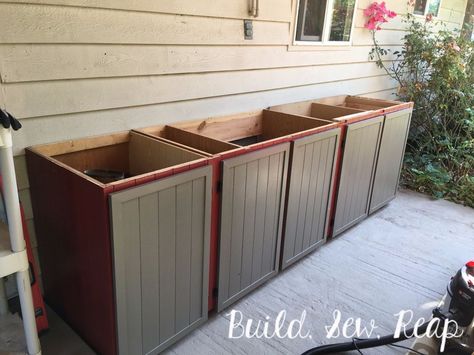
<point>253,8</point>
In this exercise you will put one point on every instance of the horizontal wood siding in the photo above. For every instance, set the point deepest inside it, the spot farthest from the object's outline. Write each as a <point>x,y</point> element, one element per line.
<point>75,68</point>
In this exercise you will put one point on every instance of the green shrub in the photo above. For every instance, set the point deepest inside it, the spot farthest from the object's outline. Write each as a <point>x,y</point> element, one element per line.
<point>435,70</point>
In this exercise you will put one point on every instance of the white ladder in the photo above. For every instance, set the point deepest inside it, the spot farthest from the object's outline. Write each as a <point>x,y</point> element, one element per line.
<point>13,257</point>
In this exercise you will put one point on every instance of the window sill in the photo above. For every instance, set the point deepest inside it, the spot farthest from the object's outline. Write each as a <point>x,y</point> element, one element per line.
<point>312,46</point>
<point>424,16</point>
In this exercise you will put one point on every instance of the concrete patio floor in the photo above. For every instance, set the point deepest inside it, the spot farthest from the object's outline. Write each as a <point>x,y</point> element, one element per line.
<point>401,258</point>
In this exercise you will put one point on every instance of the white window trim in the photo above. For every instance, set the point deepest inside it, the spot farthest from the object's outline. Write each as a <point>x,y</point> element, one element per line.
<point>326,28</point>
<point>426,10</point>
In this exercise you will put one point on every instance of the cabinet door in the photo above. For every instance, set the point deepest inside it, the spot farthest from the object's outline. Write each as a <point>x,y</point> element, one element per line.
<point>253,193</point>
<point>161,260</point>
<point>311,179</point>
<point>358,166</point>
<point>390,159</point>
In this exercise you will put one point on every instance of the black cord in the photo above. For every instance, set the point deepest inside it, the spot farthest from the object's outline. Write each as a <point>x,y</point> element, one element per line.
<point>365,343</point>
<point>406,348</point>
<point>354,341</point>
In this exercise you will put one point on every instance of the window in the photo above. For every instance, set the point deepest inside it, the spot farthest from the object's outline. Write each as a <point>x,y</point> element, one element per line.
<point>468,25</point>
<point>425,7</point>
<point>325,20</point>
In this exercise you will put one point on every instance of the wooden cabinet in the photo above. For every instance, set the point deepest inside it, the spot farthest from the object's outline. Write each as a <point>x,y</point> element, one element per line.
<point>251,153</point>
<point>374,137</point>
<point>205,212</point>
<point>136,284</point>
<point>161,260</point>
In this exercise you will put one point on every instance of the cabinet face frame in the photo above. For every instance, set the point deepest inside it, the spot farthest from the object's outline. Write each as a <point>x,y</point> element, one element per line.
<point>130,338</point>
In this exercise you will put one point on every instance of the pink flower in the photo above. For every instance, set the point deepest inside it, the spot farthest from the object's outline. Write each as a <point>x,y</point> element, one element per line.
<point>377,14</point>
<point>454,46</point>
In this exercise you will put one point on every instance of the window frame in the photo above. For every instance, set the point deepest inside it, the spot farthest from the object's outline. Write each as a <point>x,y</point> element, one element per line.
<point>326,27</point>
<point>427,8</point>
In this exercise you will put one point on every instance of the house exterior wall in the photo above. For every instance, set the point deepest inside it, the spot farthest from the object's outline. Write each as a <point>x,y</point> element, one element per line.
<point>76,68</point>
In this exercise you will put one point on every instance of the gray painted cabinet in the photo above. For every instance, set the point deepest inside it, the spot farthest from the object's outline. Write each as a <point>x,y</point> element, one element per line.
<point>161,260</point>
<point>312,170</point>
<point>358,168</point>
<point>390,159</point>
<point>253,193</point>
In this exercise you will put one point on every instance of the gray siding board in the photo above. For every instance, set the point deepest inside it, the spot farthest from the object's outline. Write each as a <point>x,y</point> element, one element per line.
<point>161,260</point>
<point>390,160</point>
<point>249,224</point>
<point>251,216</point>
<point>312,192</point>
<point>238,219</point>
<point>166,255</point>
<point>150,273</point>
<point>358,168</point>
<point>325,171</point>
<point>320,193</point>
<point>280,208</point>
<point>349,164</point>
<point>296,176</point>
<point>310,187</point>
<point>183,253</point>
<point>225,230</point>
<point>130,250</point>
<point>134,279</point>
<point>303,203</point>
<point>199,251</point>
<point>272,214</point>
<point>262,189</point>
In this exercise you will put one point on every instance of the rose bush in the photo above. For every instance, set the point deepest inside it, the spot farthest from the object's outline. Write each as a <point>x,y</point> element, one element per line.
<point>435,70</point>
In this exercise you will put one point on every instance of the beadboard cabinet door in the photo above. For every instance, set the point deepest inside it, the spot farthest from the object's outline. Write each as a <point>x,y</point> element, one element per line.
<point>390,158</point>
<point>313,162</point>
<point>161,260</point>
<point>253,194</point>
<point>357,172</point>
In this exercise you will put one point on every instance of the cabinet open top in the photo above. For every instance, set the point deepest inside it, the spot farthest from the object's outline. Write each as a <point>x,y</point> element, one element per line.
<point>130,153</point>
<point>205,146</point>
<point>342,108</point>
<point>252,128</point>
<point>365,103</point>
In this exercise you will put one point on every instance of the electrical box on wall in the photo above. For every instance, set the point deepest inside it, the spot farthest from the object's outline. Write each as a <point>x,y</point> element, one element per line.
<point>248,29</point>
